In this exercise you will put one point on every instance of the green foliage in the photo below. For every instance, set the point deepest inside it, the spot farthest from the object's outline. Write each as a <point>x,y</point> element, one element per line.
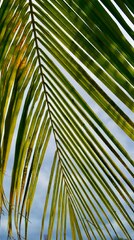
<point>47,48</point>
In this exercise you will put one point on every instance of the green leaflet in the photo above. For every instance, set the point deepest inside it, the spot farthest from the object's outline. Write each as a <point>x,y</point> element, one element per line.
<point>48,193</point>
<point>20,161</point>
<point>72,223</point>
<point>57,182</point>
<point>23,169</point>
<point>62,213</point>
<point>74,219</point>
<point>34,177</point>
<point>58,228</point>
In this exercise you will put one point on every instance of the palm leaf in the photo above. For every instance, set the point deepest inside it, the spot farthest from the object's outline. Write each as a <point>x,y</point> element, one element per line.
<point>59,61</point>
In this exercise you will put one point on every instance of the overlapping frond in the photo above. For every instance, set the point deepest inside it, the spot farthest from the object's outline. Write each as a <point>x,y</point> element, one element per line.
<point>51,51</point>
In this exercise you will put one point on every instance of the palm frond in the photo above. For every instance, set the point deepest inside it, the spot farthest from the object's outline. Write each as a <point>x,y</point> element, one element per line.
<point>60,59</point>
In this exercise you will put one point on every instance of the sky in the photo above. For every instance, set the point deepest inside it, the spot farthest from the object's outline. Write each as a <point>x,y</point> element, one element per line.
<point>36,212</point>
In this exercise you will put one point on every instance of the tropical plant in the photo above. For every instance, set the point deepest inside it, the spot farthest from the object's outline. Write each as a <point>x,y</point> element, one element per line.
<point>58,57</point>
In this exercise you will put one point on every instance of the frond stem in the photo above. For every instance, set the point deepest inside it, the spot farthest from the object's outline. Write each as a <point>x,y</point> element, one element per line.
<point>42,76</point>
